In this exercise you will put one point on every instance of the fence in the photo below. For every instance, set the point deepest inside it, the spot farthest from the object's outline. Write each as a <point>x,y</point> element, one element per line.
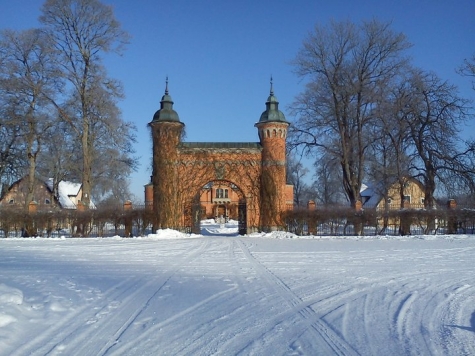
<point>102,222</point>
<point>126,221</point>
<point>408,221</point>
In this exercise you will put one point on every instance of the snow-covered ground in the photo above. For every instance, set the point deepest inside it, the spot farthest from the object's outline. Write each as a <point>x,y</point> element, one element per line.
<point>264,294</point>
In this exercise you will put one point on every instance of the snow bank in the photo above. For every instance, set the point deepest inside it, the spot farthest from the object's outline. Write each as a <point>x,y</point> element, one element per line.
<point>9,295</point>
<point>171,234</point>
<point>275,235</point>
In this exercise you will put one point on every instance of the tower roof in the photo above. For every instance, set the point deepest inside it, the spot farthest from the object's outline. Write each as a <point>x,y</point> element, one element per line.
<point>272,112</point>
<point>166,112</point>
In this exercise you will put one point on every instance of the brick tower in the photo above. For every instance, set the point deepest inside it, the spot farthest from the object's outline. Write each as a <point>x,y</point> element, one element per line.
<point>167,131</point>
<point>272,128</point>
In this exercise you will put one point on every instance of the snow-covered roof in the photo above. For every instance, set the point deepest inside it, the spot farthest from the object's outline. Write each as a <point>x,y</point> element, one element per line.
<point>370,195</point>
<point>66,191</point>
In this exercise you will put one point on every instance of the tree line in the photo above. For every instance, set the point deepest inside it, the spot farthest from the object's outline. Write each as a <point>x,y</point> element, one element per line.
<point>367,114</point>
<point>59,116</point>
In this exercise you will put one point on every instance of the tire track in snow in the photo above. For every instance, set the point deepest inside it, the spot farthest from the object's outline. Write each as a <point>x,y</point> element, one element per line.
<point>238,328</point>
<point>190,335</point>
<point>441,317</point>
<point>337,344</point>
<point>124,322</point>
<point>51,337</point>
<point>230,311</point>
<point>74,335</point>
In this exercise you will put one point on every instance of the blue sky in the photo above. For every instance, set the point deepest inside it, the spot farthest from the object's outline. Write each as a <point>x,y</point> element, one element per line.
<point>219,55</point>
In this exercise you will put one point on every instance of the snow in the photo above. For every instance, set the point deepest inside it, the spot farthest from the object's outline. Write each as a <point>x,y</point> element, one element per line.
<point>67,193</point>
<point>218,293</point>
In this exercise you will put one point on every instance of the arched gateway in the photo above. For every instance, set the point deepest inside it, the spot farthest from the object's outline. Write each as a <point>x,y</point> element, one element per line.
<point>238,180</point>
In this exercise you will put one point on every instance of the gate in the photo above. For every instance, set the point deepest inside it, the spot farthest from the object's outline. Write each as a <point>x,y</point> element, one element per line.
<point>242,218</point>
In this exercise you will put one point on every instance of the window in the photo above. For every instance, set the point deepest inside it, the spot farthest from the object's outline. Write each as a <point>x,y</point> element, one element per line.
<point>407,198</point>
<point>221,193</point>
<point>47,201</point>
<point>11,201</point>
<point>422,200</point>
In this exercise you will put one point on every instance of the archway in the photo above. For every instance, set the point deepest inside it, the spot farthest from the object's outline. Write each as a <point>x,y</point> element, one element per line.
<point>221,201</point>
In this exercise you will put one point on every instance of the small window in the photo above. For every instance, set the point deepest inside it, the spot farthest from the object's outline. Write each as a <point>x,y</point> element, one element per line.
<point>11,201</point>
<point>221,193</point>
<point>407,198</point>
<point>47,201</point>
<point>422,200</point>
<point>390,201</point>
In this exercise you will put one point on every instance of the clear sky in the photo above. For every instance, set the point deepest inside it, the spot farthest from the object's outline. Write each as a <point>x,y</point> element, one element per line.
<point>219,55</point>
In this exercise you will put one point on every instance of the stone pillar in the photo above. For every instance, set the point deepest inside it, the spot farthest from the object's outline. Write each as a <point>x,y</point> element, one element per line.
<point>451,217</point>
<point>149,196</point>
<point>358,222</point>
<point>32,207</point>
<point>29,228</point>
<point>127,218</point>
<point>80,219</point>
<point>81,207</point>
<point>405,219</point>
<point>311,220</point>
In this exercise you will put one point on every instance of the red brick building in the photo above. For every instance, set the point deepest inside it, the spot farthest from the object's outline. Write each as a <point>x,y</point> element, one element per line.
<point>240,180</point>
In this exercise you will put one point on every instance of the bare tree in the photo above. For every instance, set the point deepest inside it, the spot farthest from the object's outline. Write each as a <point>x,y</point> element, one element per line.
<point>468,69</point>
<point>434,114</point>
<point>347,66</point>
<point>327,184</point>
<point>58,159</point>
<point>27,78</point>
<point>388,160</point>
<point>11,156</point>
<point>83,31</point>
<point>296,173</point>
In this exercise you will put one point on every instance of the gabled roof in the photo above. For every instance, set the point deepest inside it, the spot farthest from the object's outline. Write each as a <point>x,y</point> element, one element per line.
<point>65,191</point>
<point>370,195</point>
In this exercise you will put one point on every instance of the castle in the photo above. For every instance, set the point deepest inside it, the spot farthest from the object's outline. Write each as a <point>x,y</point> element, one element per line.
<point>239,180</point>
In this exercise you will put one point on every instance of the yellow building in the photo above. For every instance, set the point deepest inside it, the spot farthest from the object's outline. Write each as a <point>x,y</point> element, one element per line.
<point>373,196</point>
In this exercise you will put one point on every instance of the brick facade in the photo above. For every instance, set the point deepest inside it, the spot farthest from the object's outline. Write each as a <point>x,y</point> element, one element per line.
<point>195,180</point>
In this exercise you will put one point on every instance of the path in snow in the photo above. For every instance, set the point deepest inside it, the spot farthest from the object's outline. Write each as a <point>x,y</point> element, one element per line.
<point>237,295</point>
